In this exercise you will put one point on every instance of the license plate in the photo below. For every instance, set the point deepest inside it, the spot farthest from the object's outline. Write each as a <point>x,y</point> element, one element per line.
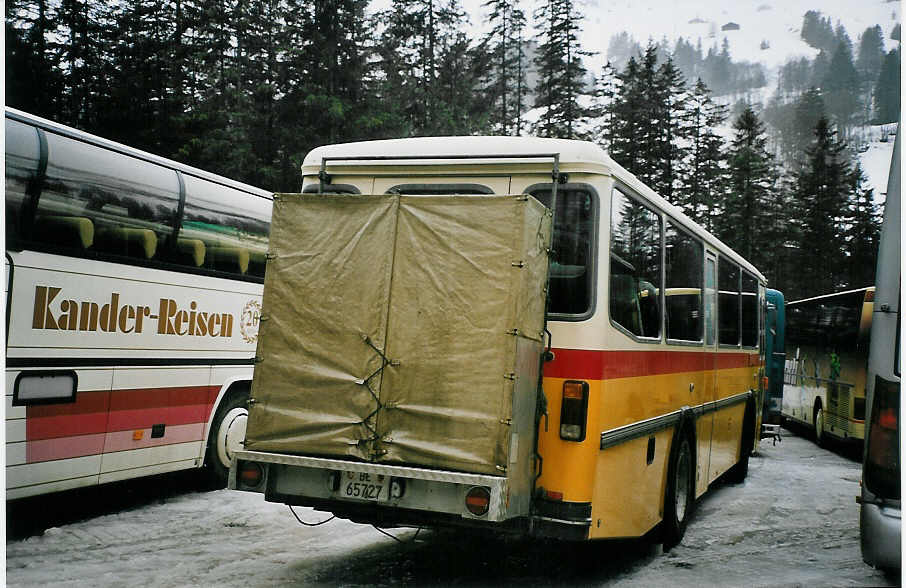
<point>365,486</point>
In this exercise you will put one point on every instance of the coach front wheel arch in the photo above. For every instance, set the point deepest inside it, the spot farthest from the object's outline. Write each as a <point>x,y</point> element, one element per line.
<point>227,432</point>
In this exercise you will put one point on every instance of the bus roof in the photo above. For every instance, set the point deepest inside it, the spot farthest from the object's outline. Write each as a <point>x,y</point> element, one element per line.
<point>494,150</point>
<point>78,135</point>
<point>482,149</point>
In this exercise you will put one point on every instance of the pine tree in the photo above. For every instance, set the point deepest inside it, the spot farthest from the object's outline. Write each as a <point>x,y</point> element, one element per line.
<point>560,70</point>
<point>887,89</point>
<point>605,93</point>
<point>463,109</point>
<point>670,143</point>
<point>871,54</point>
<point>650,108</point>
<point>416,33</point>
<point>807,111</point>
<point>821,196</point>
<point>750,184</point>
<point>507,64</point>
<point>627,117</point>
<point>863,232</point>
<point>817,31</point>
<point>702,166</point>
<point>83,54</point>
<point>34,80</point>
<point>820,67</point>
<point>840,86</point>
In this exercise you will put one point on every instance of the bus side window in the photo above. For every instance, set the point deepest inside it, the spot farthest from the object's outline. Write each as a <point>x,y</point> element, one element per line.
<point>23,154</point>
<point>572,265</point>
<point>749,310</point>
<point>100,202</point>
<point>624,300</point>
<point>223,230</point>
<point>728,302</point>
<point>635,270</point>
<point>684,256</point>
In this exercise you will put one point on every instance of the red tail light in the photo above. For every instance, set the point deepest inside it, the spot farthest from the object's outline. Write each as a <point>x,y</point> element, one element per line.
<point>888,419</point>
<point>250,474</point>
<point>478,500</point>
<point>574,410</point>
<point>882,463</point>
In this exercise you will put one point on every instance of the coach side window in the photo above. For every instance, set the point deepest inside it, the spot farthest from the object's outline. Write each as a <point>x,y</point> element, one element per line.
<point>728,302</point>
<point>635,266</point>
<point>22,162</point>
<point>97,201</point>
<point>223,229</point>
<point>683,300</point>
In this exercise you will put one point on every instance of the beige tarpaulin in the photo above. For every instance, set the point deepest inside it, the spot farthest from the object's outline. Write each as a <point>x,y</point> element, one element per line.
<point>391,325</point>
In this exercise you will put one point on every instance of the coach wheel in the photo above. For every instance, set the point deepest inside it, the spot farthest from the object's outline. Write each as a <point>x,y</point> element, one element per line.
<point>227,435</point>
<point>680,496</point>
<point>819,426</point>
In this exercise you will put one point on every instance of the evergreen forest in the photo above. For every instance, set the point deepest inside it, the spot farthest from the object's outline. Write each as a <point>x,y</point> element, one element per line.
<point>246,88</point>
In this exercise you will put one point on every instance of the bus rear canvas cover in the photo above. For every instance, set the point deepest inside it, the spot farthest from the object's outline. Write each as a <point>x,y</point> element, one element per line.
<point>393,327</point>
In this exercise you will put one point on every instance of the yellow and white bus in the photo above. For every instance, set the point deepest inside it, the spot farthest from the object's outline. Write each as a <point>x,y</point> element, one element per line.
<point>133,285</point>
<point>648,397</point>
<point>827,341</point>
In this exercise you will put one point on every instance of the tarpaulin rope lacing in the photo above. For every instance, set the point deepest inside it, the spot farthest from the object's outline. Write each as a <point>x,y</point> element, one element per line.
<point>366,382</point>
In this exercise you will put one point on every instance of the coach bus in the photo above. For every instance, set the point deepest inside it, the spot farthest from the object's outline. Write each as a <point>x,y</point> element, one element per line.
<point>133,289</point>
<point>827,341</point>
<point>652,379</point>
<point>775,358</point>
<point>880,514</point>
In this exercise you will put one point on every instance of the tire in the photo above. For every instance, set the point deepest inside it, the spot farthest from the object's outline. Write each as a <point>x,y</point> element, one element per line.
<point>226,436</point>
<point>679,498</point>
<point>820,437</point>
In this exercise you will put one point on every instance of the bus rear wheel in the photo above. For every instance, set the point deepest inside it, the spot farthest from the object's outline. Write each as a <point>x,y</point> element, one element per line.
<point>819,426</point>
<point>679,498</point>
<point>226,436</point>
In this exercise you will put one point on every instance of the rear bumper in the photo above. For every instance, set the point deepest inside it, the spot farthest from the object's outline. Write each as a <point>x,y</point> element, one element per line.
<point>880,532</point>
<point>432,498</point>
<point>303,480</point>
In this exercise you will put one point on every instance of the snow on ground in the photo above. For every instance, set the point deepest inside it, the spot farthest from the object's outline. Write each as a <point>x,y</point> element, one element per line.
<point>793,522</point>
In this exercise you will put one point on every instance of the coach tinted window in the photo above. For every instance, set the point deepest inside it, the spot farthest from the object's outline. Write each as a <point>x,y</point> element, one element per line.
<point>635,266</point>
<point>683,300</point>
<point>97,201</point>
<point>22,161</point>
<point>572,262</point>
<point>223,229</point>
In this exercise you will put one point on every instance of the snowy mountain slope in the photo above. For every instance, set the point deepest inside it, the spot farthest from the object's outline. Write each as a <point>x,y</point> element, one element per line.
<point>776,21</point>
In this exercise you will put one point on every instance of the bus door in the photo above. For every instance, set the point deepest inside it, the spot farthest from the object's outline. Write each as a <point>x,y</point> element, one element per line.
<point>442,185</point>
<point>706,421</point>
